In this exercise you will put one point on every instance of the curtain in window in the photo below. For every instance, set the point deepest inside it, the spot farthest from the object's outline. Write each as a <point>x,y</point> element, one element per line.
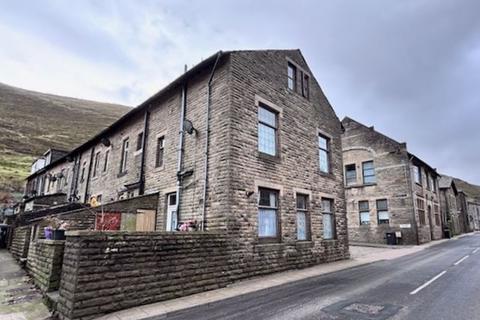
<point>365,217</point>
<point>267,223</point>
<point>327,226</point>
<point>301,226</point>
<point>383,215</point>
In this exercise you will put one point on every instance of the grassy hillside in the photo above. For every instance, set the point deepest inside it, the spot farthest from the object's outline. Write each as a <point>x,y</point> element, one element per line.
<point>470,189</point>
<point>31,122</point>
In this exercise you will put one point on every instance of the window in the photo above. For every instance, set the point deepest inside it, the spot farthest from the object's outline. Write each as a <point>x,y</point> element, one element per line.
<point>328,219</point>
<point>123,163</point>
<point>303,218</point>
<point>66,177</point>
<point>139,141</point>
<point>368,172</point>
<point>267,130</point>
<point>61,179</point>
<point>417,174</point>
<point>436,210</point>
<point>305,85</point>
<point>160,151</point>
<point>105,163</point>
<point>324,153</point>
<point>433,185</point>
<point>95,164</point>
<point>382,212</point>
<point>292,76</point>
<point>429,186</point>
<point>350,174</point>
<point>267,213</point>
<point>364,212</point>
<point>421,211</point>
<point>82,177</point>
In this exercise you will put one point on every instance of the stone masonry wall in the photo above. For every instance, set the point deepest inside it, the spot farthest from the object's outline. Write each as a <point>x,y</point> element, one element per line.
<point>430,230</point>
<point>44,263</point>
<point>107,271</point>
<point>448,207</point>
<point>20,242</point>
<point>104,272</point>
<point>361,144</point>
<point>262,77</point>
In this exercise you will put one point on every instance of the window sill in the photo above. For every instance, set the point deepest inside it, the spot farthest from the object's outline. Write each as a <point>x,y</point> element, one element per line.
<point>330,242</point>
<point>304,243</point>
<point>298,93</point>
<point>269,157</point>
<point>353,186</point>
<point>121,174</point>
<point>326,174</point>
<point>265,246</point>
<point>268,240</point>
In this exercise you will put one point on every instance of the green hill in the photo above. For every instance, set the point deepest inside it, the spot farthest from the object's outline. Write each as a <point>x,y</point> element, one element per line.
<point>32,122</point>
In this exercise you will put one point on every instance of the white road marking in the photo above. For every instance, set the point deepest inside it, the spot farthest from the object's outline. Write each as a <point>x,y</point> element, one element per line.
<point>428,282</point>
<point>460,261</point>
<point>475,251</point>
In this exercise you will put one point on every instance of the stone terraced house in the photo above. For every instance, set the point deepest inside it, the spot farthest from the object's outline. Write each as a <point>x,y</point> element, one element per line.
<point>249,131</point>
<point>245,143</point>
<point>392,195</point>
<point>454,218</point>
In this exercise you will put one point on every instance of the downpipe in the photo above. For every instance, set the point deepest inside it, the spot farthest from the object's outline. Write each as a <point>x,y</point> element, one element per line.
<point>207,137</point>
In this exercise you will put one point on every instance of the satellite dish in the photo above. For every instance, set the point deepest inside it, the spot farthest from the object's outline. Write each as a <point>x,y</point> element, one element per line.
<point>188,126</point>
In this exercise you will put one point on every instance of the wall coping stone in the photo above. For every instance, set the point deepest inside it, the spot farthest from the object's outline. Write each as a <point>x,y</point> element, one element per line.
<point>83,233</point>
<point>50,242</point>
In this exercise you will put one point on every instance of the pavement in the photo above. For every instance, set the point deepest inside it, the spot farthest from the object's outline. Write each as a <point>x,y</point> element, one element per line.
<point>19,298</point>
<point>302,294</point>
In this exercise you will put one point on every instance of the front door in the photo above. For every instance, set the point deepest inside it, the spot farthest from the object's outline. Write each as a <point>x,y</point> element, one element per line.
<point>171,212</point>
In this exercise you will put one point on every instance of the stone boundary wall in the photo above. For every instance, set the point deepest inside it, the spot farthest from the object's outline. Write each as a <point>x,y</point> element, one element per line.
<point>107,271</point>
<point>20,242</point>
<point>44,263</point>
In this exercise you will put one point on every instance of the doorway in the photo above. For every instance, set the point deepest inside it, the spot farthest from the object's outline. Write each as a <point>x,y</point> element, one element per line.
<point>171,212</point>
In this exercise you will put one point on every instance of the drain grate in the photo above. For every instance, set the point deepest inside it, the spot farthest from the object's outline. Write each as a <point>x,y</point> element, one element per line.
<point>365,310</point>
<point>369,309</point>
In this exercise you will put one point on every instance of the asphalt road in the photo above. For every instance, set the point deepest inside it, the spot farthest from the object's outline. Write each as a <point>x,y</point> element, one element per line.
<point>436,283</point>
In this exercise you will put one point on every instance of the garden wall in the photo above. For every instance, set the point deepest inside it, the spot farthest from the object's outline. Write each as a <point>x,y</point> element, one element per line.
<point>20,242</point>
<point>106,271</point>
<point>44,263</point>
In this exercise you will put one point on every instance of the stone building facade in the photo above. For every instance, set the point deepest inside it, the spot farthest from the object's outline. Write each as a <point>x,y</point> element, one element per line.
<point>244,142</point>
<point>451,214</point>
<point>388,190</point>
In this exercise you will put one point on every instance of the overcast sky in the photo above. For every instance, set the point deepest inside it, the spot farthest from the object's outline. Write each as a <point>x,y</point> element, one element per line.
<point>410,68</point>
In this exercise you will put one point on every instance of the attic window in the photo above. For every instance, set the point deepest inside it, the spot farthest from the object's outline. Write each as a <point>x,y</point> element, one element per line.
<point>292,77</point>
<point>305,85</point>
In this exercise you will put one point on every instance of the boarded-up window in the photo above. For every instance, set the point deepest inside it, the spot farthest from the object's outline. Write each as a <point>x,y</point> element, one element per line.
<point>145,220</point>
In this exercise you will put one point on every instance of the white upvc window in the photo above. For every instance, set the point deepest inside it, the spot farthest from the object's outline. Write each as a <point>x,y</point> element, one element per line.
<point>267,213</point>
<point>267,130</point>
<point>328,219</point>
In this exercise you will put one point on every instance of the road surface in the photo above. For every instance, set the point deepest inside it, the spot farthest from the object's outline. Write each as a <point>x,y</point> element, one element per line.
<point>440,282</point>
